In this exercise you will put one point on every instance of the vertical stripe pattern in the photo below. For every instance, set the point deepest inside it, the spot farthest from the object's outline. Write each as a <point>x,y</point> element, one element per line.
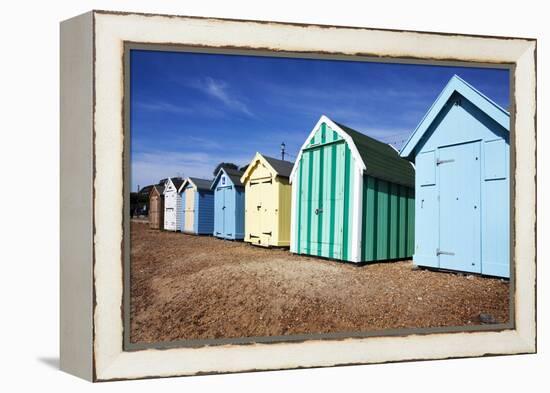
<point>325,184</point>
<point>388,220</point>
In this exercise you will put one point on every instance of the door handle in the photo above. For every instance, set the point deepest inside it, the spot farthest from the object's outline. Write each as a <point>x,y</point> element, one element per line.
<point>318,211</point>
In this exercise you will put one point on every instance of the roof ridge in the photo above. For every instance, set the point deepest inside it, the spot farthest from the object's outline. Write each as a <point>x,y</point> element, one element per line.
<point>363,134</point>
<point>277,159</point>
<point>455,76</point>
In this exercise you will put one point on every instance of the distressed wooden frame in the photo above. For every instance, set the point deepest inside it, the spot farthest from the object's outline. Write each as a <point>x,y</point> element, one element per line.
<point>92,193</point>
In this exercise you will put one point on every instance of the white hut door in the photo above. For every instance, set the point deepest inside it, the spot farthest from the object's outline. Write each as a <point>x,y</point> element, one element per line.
<point>459,207</point>
<point>170,213</point>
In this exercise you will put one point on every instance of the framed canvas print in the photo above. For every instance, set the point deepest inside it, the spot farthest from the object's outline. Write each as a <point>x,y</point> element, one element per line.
<point>246,195</point>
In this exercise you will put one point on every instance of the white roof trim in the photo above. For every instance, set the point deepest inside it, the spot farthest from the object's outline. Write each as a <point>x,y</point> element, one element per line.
<point>341,132</point>
<point>257,157</point>
<point>188,180</point>
<point>171,182</point>
<point>470,93</point>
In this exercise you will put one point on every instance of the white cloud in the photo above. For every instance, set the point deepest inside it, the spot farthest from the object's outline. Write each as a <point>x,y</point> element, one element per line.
<point>220,90</point>
<point>190,108</point>
<point>162,107</point>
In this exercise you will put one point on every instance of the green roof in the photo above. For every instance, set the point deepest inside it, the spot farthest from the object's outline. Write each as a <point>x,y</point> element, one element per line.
<point>381,160</point>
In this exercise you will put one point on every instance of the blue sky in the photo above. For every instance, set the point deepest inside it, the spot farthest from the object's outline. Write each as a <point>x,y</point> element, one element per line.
<point>190,111</point>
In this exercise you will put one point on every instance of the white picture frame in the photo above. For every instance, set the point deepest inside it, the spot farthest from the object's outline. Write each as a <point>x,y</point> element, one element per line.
<point>93,178</point>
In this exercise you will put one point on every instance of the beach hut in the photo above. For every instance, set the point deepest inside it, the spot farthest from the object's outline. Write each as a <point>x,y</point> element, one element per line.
<point>461,151</point>
<point>267,201</point>
<point>156,207</point>
<point>172,203</point>
<point>352,197</point>
<point>228,204</point>
<point>197,208</point>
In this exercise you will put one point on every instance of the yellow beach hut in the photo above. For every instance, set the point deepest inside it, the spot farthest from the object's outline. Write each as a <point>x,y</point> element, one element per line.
<point>267,201</point>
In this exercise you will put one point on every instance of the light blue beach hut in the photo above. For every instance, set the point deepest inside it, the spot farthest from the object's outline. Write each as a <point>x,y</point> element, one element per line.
<point>461,150</point>
<point>228,204</point>
<point>197,211</point>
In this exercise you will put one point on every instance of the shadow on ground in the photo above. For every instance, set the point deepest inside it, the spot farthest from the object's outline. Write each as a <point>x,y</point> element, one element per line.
<point>52,362</point>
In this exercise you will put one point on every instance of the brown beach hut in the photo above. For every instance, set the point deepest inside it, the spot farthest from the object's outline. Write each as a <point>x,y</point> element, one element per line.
<point>156,207</point>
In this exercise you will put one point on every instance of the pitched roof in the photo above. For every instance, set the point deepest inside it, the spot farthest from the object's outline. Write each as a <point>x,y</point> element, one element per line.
<point>233,174</point>
<point>200,184</point>
<point>280,167</point>
<point>377,159</point>
<point>381,159</point>
<point>283,168</point>
<point>177,181</point>
<point>158,187</point>
<point>460,86</point>
<point>146,189</point>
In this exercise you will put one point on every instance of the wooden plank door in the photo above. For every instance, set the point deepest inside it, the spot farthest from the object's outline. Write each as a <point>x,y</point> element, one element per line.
<point>189,225</point>
<point>253,211</point>
<point>228,212</point>
<point>219,211</point>
<point>315,205</point>
<point>459,207</point>
<point>267,219</point>
<point>153,212</point>
<point>322,200</point>
<point>426,211</point>
<point>170,212</point>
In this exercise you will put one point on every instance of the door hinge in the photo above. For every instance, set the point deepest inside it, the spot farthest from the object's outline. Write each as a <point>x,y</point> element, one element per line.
<point>439,252</point>
<point>439,162</point>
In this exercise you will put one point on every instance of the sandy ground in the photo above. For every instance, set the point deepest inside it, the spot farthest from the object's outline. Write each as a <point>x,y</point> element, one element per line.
<point>196,287</point>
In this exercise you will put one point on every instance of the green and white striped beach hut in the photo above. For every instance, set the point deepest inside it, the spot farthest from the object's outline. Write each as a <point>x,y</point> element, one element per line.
<point>352,197</point>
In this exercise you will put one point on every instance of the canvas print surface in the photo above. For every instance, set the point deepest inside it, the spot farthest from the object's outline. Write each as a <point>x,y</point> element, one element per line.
<point>281,197</point>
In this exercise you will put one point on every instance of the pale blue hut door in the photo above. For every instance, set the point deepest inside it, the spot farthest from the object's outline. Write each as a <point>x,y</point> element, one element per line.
<point>224,210</point>
<point>219,201</point>
<point>459,207</point>
<point>227,210</point>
